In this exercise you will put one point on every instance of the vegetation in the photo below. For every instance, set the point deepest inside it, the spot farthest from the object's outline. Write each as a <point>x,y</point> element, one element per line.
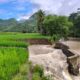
<point>10,61</point>
<point>38,69</point>
<point>75,30</point>
<point>59,25</point>
<point>14,64</point>
<point>40,19</point>
<point>12,25</point>
<point>21,36</point>
<point>38,73</point>
<point>5,43</point>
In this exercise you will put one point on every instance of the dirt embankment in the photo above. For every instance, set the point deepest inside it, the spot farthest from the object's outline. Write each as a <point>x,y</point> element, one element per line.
<point>38,41</point>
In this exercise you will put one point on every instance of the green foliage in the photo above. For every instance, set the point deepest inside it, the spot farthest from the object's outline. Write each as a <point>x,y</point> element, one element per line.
<point>40,18</point>
<point>75,30</point>
<point>46,78</point>
<point>12,25</point>
<point>9,43</point>
<point>7,24</point>
<point>38,73</point>
<point>13,56</point>
<point>36,76</point>
<point>20,36</point>
<point>55,38</point>
<point>38,69</point>
<point>57,25</point>
<point>23,72</point>
<point>24,69</point>
<point>20,77</point>
<point>10,61</point>
<point>77,27</point>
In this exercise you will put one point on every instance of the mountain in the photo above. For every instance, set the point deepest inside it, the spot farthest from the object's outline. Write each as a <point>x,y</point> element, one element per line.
<point>12,25</point>
<point>7,24</point>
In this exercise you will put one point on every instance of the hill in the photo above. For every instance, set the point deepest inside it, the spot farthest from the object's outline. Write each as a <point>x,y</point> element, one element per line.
<point>12,25</point>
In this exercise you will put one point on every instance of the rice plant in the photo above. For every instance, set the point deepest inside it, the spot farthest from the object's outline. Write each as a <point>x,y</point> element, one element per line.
<point>10,61</point>
<point>9,43</point>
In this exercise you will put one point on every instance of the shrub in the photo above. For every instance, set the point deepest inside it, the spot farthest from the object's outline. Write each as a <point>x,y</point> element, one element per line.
<point>55,38</point>
<point>24,69</point>
<point>38,69</point>
<point>46,78</point>
<point>20,77</point>
<point>36,76</point>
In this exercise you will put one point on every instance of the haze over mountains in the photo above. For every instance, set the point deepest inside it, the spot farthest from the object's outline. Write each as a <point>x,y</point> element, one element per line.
<point>12,25</point>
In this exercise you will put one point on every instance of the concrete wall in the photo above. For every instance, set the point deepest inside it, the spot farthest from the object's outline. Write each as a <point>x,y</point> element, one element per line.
<point>73,58</point>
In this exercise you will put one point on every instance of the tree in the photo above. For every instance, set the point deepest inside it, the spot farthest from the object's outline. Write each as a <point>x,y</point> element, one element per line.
<point>40,18</point>
<point>75,18</point>
<point>77,27</point>
<point>58,25</point>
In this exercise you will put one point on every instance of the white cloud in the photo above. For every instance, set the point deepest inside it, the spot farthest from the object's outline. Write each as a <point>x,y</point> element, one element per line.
<point>23,17</point>
<point>62,7</point>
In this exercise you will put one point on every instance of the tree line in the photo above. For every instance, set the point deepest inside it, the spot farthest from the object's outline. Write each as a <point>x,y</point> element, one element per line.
<point>63,26</point>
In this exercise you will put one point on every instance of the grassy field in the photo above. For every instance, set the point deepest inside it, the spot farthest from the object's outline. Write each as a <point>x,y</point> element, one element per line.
<point>17,36</point>
<point>10,61</point>
<point>5,43</point>
<point>14,54</point>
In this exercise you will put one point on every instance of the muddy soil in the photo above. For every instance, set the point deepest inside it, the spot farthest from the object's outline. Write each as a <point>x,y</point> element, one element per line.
<point>38,41</point>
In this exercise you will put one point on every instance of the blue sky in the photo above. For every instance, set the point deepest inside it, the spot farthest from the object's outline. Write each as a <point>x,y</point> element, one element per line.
<point>15,9</point>
<point>23,9</point>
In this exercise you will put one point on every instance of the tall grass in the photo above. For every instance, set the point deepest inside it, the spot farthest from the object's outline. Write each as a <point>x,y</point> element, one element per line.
<point>10,61</point>
<point>5,43</point>
<point>15,36</point>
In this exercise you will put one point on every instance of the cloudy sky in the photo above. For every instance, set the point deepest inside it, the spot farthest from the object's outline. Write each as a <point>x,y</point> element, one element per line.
<point>22,9</point>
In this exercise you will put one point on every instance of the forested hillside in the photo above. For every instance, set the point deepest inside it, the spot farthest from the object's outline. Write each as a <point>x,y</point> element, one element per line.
<point>12,25</point>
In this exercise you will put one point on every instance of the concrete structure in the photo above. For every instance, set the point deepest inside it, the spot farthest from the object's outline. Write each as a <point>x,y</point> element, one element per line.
<point>71,50</point>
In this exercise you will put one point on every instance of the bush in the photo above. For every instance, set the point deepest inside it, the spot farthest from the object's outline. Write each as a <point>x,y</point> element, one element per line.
<point>20,77</point>
<point>36,76</point>
<point>55,38</point>
<point>46,78</point>
<point>38,69</point>
<point>24,69</point>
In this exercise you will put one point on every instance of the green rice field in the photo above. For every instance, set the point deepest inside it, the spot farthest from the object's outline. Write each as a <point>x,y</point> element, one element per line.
<point>20,36</point>
<point>14,54</point>
<point>10,61</point>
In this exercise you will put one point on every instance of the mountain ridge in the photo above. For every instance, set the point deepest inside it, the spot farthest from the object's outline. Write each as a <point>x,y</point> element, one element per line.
<point>12,25</point>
